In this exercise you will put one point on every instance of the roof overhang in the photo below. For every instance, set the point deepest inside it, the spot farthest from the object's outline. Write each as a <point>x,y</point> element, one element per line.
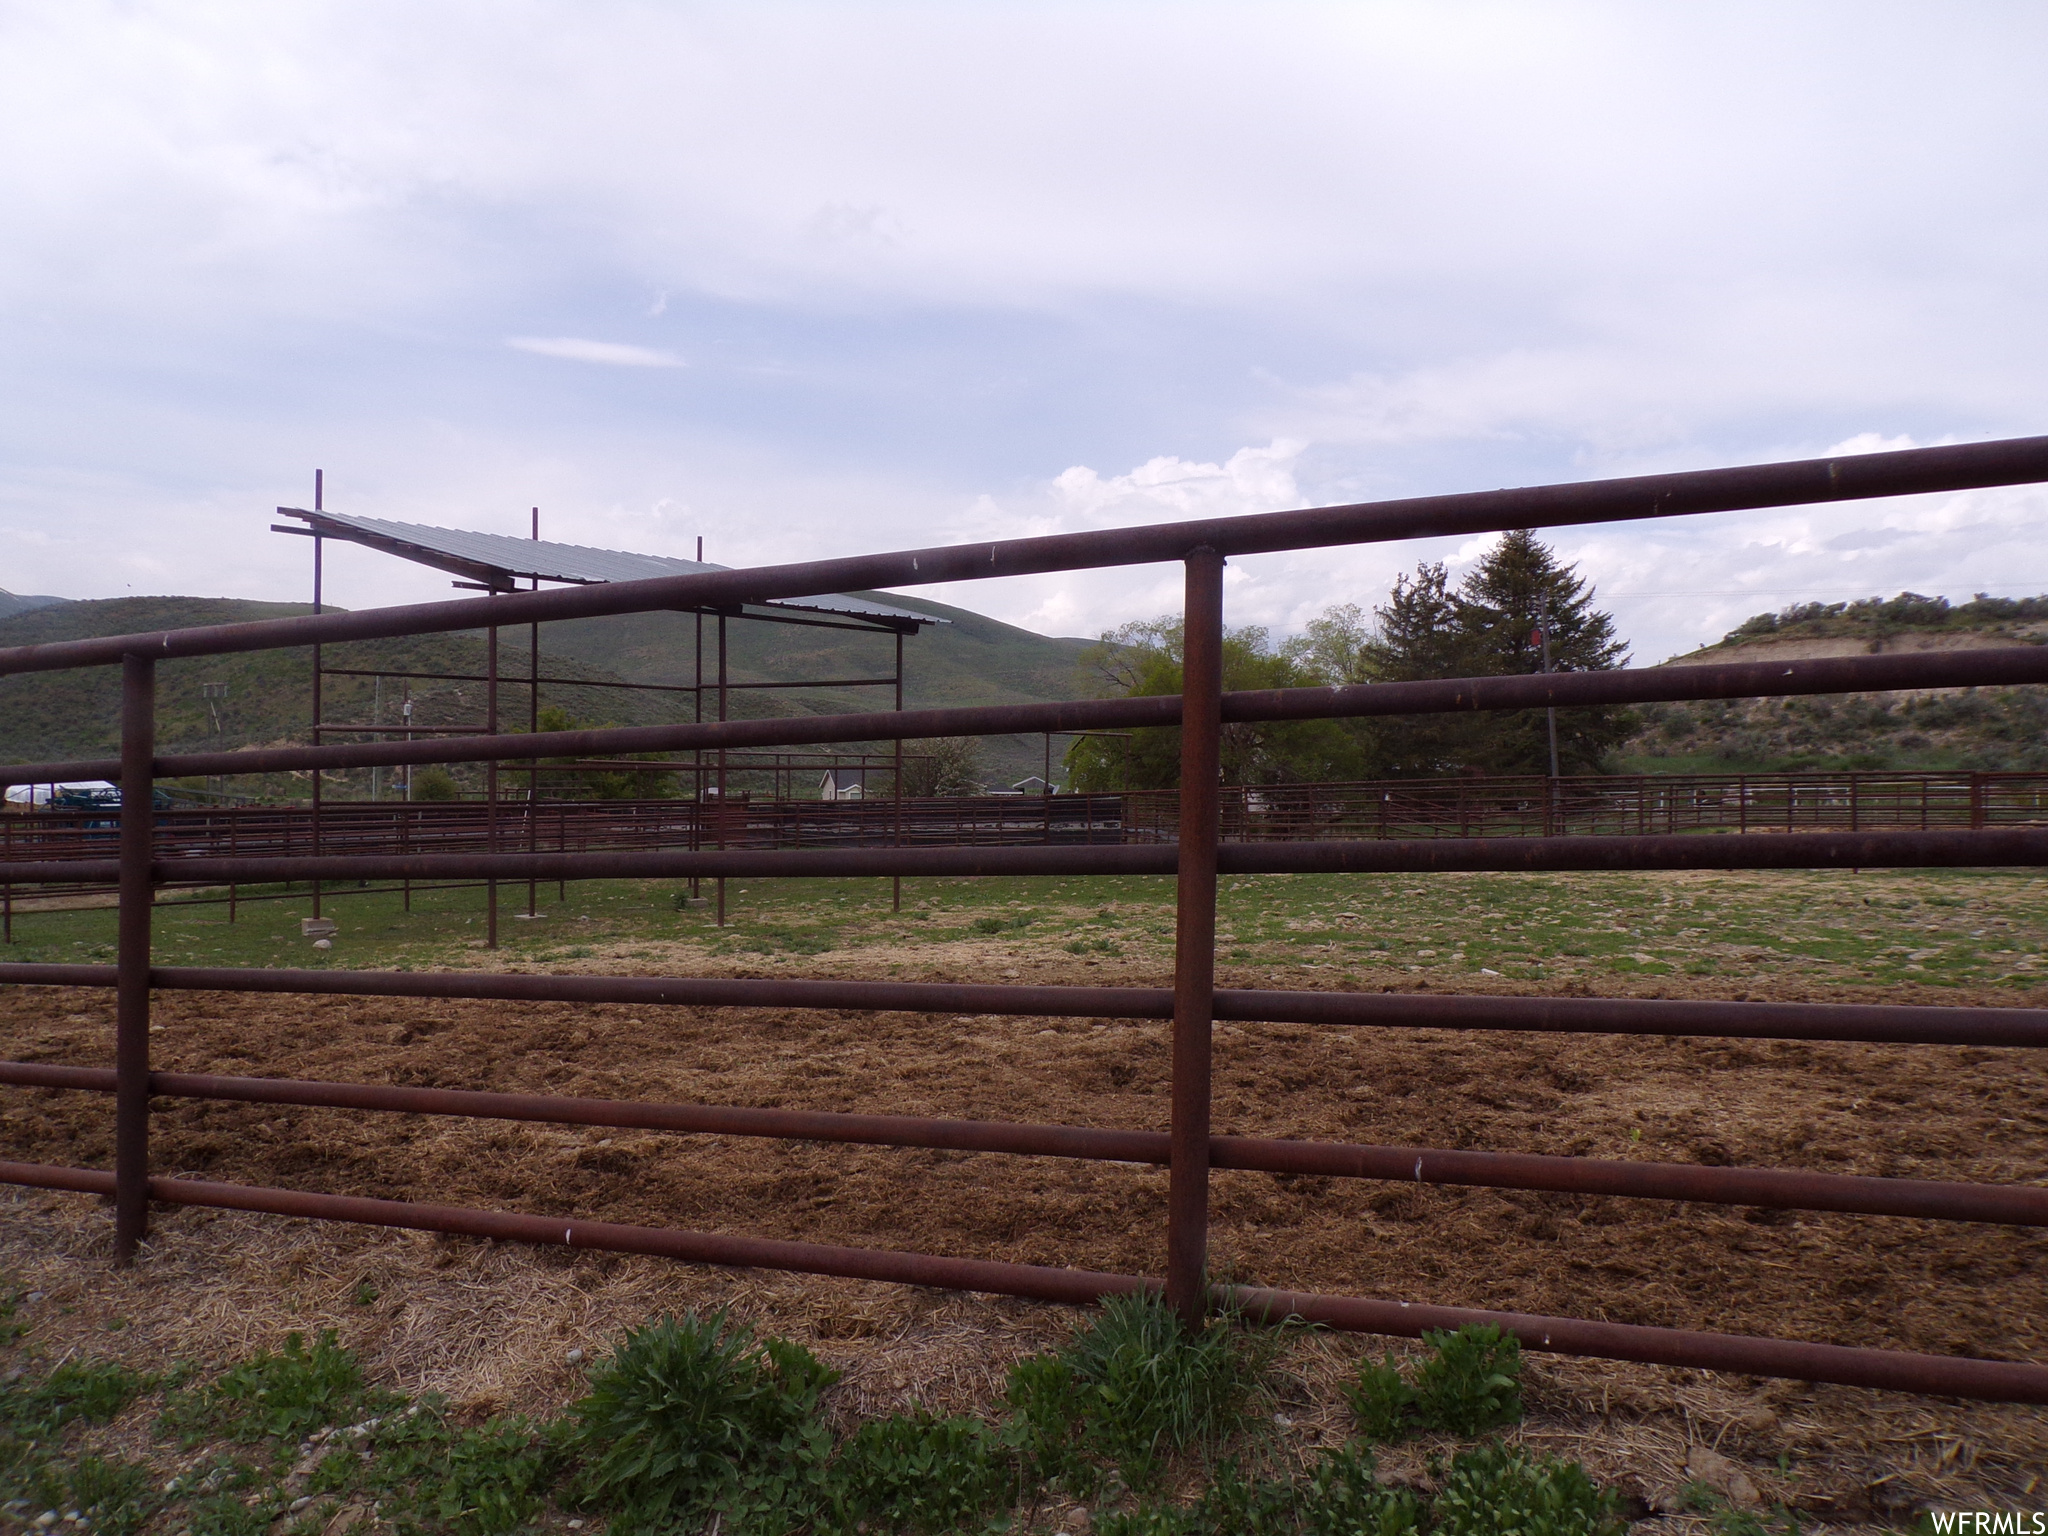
<point>498,562</point>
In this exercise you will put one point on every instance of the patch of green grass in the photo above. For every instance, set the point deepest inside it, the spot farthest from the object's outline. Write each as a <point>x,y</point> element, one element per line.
<point>698,1424</point>
<point>1093,947</point>
<point>91,1391</point>
<point>430,1475</point>
<point>284,1394</point>
<point>769,940</point>
<point>1731,1520</point>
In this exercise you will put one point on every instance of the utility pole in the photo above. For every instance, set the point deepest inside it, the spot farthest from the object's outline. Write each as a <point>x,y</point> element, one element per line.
<point>1550,711</point>
<point>1551,816</point>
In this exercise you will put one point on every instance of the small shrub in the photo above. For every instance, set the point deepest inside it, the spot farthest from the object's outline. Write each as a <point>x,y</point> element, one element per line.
<point>1381,1400</point>
<point>1494,1489</point>
<point>691,1415</point>
<point>922,1474</point>
<point>1472,1382</point>
<point>987,925</point>
<point>434,784</point>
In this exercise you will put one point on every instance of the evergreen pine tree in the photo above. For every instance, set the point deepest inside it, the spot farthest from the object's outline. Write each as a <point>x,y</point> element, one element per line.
<point>1491,626</point>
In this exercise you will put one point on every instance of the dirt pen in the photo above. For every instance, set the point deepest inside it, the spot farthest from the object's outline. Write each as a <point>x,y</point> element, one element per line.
<point>1274,1063</point>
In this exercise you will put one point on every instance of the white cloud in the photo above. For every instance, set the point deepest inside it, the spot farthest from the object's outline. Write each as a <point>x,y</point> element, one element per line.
<point>1870,442</point>
<point>577,350</point>
<point>920,258</point>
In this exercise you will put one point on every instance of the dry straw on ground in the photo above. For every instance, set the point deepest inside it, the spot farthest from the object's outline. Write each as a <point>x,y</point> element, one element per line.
<point>496,1326</point>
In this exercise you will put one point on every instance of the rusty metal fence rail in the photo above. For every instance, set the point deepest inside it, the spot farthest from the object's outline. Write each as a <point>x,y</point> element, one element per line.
<point>1188,1147</point>
<point>1606,805</point>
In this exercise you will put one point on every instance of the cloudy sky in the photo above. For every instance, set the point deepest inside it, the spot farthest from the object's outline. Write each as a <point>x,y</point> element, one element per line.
<point>819,279</point>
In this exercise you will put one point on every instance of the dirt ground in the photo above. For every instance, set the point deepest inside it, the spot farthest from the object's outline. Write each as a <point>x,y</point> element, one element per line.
<point>494,1326</point>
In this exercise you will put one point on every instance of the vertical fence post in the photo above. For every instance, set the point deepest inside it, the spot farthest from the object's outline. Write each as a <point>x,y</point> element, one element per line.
<point>131,974</point>
<point>1194,966</point>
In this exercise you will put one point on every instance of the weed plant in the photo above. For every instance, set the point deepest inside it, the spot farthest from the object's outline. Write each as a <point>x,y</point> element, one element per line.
<point>1339,1496</point>
<point>285,1395</point>
<point>106,1493</point>
<point>696,1415</point>
<point>697,1424</point>
<point>1470,1382</point>
<point>1493,1489</point>
<point>923,1474</point>
<point>1730,1519</point>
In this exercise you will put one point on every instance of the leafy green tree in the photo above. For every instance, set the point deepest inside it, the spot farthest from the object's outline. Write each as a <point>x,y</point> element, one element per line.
<point>1144,659</point>
<point>943,765</point>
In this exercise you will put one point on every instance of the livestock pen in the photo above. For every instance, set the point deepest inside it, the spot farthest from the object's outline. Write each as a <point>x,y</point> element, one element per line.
<point>1194,857</point>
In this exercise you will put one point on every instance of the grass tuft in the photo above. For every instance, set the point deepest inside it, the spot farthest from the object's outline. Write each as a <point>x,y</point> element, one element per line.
<point>1134,1386</point>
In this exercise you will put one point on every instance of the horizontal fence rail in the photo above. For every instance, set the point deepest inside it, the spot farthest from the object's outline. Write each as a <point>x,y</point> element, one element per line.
<point>1879,1023</point>
<point>1883,1369</point>
<point>1782,1189</point>
<point>1797,850</point>
<point>1195,836</point>
<point>2001,666</point>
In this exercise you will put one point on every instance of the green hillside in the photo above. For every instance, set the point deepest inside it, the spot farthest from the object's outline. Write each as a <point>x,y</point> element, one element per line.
<point>1983,729</point>
<point>971,660</point>
<point>15,602</point>
<point>268,698</point>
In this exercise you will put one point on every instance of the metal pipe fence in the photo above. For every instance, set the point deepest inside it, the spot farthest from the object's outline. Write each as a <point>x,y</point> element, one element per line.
<point>1197,853</point>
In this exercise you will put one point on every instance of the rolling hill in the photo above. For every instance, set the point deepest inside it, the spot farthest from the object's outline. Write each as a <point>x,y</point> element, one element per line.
<point>1987,729</point>
<point>971,659</point>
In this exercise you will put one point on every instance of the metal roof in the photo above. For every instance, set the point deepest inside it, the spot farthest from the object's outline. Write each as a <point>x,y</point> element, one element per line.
<point>502,561</point>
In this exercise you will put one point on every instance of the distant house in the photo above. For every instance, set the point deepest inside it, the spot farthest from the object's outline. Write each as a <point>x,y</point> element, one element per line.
<point>842,784</point>
<point>1034,785</point>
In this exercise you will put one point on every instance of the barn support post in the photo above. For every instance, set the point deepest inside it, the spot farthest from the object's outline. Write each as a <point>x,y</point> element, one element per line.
<point>896,881</point>
<point>533,727</point>
<point>1194,963</point>
<point>318,736</point>
<point>697,770</point>
<point>491,782</point>
<point>131,969</point>
<point>721,763</point>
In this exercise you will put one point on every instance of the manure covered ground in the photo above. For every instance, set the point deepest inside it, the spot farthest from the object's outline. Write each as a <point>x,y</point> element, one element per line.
<point>493,1325</point>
